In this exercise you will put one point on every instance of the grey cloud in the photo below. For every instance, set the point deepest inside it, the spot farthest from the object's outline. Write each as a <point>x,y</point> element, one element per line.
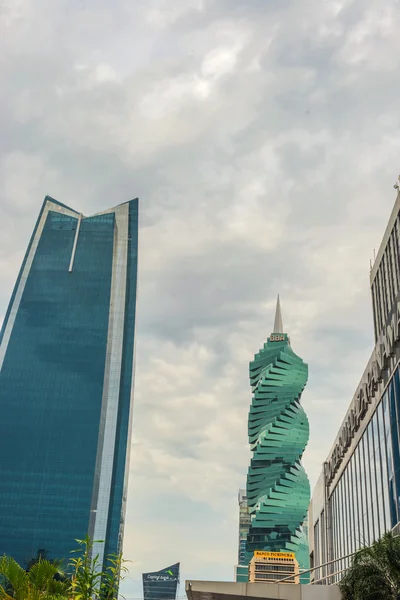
<point>219,286</point>
<point>263,141</point>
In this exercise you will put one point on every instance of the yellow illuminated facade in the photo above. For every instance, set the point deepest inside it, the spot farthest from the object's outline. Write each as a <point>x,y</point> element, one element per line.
<point>273,567</point>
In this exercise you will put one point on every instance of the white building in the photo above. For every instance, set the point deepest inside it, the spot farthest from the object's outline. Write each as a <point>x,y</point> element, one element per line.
<point>357,496</point>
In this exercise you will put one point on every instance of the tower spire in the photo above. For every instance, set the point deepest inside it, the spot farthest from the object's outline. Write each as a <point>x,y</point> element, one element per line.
<point>278,325</point>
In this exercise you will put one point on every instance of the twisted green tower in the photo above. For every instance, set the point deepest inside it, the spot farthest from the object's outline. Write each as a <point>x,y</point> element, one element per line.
<point>278,490</point>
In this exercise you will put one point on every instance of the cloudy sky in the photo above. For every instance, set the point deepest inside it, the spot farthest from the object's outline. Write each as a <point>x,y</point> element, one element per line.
<point>262,138</point>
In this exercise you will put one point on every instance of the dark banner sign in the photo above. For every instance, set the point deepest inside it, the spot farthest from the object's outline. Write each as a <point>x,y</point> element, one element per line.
<point>161,585</point>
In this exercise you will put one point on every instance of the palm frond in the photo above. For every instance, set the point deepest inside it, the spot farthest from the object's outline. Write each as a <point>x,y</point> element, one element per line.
<point>375,572</point>
<point>15,577</point>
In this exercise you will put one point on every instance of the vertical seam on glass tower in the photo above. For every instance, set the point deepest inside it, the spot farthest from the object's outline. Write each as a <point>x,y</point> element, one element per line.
<point>131,400</point>
<point>78,226</point>
<point>110,402</point>
<point>25,274</point>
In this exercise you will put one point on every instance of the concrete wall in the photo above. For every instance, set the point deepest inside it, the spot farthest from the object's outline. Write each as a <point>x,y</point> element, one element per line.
<point>317,503</point>
<point>216,590</point>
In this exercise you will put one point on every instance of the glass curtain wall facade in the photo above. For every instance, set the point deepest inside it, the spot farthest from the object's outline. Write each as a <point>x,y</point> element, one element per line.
<point>161,585</point>
<point>244,522</point>
<point>66,377</point>
<point>357,497</point>
<point>241,571</point>
<point>278,490</point>
<point>365,501</point>
<point>385,274</point>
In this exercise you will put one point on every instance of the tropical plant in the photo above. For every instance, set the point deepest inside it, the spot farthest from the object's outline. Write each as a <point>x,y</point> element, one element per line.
<point>90,579</point>
<point>113,574</point>
<point>375,572</point>
<point>41,582</point>
<point>87,578</point>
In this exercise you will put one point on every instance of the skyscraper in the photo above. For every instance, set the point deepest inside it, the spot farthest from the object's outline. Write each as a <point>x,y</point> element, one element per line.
<point>244,522</point>
<point>278,490</point>
<point>66,375</point>
<point>357,496</point>
<point>161,585</point>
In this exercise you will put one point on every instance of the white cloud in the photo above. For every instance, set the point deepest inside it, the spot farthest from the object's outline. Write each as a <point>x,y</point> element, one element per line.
<point>263,141</point>
<point>104,72</point>
<point>373,39</point>
<point>164,13</point>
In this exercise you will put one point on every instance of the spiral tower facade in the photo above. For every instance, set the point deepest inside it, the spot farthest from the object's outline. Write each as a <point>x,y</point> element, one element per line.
<point>278,490</point>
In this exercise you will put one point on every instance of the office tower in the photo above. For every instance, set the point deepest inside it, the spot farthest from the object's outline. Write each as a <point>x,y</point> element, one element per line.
<point>357,496</point>
<point>161,585</point>
<point>274,567</point>
<point>66,378</point>
<point>278,491</point>
<point>244,522</point>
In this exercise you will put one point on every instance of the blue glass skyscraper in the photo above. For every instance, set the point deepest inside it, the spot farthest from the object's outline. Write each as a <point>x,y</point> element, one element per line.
<point>66,380</point>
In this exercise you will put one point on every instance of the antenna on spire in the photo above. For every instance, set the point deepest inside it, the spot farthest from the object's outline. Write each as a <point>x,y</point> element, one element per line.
<point>278,324</point>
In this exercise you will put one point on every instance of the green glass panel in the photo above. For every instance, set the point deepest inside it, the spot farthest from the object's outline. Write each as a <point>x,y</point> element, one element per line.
<point>278,490</point>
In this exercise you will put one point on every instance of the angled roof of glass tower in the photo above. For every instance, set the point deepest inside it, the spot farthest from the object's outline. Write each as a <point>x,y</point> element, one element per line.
<point>161,585</point>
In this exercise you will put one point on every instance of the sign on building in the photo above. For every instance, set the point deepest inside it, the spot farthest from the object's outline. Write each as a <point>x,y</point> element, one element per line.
<point>161,585</point>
